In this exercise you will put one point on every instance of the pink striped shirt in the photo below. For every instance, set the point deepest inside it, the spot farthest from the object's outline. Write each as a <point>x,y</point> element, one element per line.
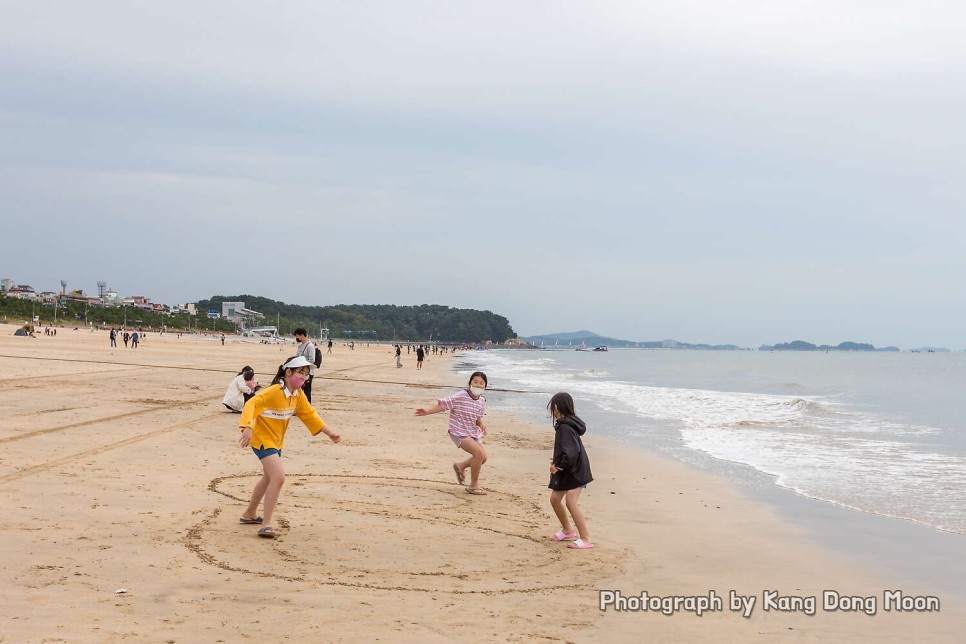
<point>463,414</point>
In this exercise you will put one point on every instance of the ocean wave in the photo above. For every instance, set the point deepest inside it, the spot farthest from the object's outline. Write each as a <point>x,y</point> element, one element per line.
<point>890,478</point>
<point>818,446</point>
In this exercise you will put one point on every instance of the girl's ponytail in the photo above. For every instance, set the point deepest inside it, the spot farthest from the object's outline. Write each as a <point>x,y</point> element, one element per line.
<point>277,380</point>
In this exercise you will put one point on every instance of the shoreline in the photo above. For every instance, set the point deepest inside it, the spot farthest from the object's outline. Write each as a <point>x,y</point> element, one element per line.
<point>920,553</point>
<point>125,475</point>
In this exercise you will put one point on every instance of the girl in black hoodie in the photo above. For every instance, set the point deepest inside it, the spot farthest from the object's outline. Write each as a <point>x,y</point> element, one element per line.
<point>569,470</point>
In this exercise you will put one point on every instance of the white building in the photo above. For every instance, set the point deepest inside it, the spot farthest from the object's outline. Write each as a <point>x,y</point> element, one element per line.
<point>230,310</point>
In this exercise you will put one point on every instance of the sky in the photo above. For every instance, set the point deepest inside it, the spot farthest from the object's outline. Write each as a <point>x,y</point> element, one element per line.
<point>718,171</point>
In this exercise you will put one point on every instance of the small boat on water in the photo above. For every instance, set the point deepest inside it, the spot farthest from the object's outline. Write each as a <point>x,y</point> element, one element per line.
<point>600,348</point>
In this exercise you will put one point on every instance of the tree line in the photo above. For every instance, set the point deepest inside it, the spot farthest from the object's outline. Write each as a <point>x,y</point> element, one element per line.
<point>384,322</point>
<point>17,311</point>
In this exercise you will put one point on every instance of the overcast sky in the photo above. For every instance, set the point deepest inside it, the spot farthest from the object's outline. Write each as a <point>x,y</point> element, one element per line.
<point>710,171</point>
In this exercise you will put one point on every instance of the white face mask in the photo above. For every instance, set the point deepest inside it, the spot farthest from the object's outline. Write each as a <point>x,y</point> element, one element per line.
<point>476,391</point>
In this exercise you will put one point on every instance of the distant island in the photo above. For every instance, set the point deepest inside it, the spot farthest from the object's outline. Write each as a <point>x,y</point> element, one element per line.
<point>589,339</point>
<point>801,345</point>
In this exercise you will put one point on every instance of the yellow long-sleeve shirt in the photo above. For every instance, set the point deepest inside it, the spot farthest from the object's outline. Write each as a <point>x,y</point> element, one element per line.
<point>269,412</point>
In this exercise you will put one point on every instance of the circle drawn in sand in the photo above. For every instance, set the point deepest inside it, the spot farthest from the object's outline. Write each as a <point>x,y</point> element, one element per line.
<point>390,534</point>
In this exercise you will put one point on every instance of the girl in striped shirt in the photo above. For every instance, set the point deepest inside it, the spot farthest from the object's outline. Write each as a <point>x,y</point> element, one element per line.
<point>466,428</point>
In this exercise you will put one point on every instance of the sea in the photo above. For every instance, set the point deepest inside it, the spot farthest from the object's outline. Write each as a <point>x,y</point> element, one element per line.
<point>878,433</point>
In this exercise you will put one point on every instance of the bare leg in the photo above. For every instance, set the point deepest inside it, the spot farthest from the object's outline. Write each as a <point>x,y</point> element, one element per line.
<point>557,503</point>
<point>269,487</point>
<point>252,510</point>
<point>573,496</point>
<point>474,462</point>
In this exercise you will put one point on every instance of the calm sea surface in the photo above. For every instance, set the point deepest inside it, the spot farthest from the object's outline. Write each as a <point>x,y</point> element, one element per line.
<point>881,433</point>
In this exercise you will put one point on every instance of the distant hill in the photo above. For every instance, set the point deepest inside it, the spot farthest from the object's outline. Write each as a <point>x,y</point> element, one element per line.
<point>801,345</point>
<point>590,339</point>
<point>362,322</point>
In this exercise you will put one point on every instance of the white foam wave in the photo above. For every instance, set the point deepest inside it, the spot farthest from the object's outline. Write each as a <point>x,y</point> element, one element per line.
<point>817,447</point>
<point>873,475</point>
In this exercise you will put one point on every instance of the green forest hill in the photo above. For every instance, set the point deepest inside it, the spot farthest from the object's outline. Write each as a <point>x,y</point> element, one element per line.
<point>359,322</point>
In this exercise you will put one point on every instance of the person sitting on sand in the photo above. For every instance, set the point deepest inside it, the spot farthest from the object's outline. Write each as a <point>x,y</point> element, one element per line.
<point>466,428</point>
<point>240,389</point>
<point>569,470</point>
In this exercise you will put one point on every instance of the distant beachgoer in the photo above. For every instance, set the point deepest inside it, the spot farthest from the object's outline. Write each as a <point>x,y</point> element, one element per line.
<point>263,424</point>
<point>222,339</point>
<point>134,340</point>
<point>420,354</point>
<point>398,357</point>
<point>127,336</point>
<point>113,337</point>
<point>307,350</point>
<point>569,471</point>
<point>466,428</point>
<point>330,347</point>
<point>240,389</point>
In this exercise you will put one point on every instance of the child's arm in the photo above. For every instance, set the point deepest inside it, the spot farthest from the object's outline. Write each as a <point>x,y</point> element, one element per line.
<point>250,412</point>
<point>305,412</point>
<point>435,409</point>
<point>481,425</point>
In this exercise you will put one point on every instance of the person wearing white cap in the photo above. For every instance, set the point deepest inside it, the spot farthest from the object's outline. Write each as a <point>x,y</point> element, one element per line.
<point>263,423</point>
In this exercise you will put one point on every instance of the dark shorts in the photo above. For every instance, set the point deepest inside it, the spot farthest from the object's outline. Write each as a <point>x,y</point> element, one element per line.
<point>262,452</point>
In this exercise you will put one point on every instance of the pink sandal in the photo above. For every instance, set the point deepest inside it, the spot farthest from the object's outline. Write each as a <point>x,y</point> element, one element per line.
<point>580,544</point>
<point>563,536</point>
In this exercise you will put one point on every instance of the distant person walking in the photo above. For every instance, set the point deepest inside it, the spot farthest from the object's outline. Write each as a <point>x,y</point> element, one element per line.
<point>263,424</point>
<point>569,471</point>
<point>134,340</point>
<point>307,350</point>
<point>330,347</point>
<point>127,336</point>
<point>113,337</point>
<point>420,354</point>
<point>466,428</point>
<point>398,357</point>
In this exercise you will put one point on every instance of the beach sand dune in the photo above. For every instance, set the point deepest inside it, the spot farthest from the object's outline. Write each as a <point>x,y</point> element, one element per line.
<point>125,483</point>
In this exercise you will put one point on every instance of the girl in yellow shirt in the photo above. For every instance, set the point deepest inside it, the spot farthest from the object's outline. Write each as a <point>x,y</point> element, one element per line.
<point>263,423</point>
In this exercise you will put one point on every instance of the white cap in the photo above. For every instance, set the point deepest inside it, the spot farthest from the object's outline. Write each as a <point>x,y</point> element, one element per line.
<point>296,362</point>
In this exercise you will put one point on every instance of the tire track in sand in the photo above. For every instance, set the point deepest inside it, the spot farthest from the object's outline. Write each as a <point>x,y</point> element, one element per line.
<point>94,421</point>
<point>48,465</point>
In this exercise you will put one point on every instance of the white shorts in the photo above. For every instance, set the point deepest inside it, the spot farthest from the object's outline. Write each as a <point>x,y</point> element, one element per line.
<point>458,440</point>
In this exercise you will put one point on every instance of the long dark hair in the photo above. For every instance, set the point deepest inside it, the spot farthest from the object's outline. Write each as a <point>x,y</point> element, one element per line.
<point>280,374</point>
<point>563,403</point>
<point>247,370</point>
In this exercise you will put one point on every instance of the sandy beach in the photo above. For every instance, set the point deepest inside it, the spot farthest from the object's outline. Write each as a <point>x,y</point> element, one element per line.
<point>125,483</point>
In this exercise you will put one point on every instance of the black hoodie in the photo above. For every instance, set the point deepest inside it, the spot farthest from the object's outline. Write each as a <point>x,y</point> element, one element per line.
<point>573,465</point>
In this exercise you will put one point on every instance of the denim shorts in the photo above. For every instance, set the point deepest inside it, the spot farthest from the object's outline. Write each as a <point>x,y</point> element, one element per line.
<point>261,452</point>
